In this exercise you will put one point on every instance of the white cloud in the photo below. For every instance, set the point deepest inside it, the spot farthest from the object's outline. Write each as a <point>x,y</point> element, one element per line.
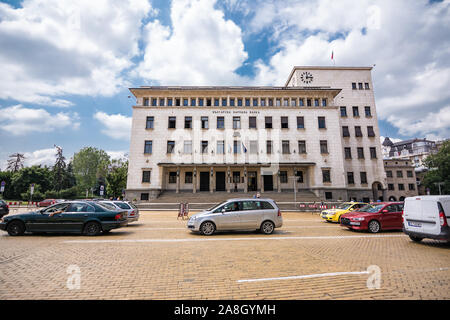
<point>44,157</point>
<point>118,155</point>
<point>18,120</point>
<point>116,126</point>
<point>53,48</point>
<point>201,48</point>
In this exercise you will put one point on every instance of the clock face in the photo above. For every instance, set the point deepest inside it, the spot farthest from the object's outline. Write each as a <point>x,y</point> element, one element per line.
<point>306,77</point>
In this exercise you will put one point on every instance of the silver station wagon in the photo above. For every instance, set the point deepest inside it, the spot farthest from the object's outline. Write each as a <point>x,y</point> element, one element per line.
<point>238,214</point>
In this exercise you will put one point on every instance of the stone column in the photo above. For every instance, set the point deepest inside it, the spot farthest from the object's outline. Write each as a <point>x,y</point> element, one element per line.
<point>278,181</point>
<point>228,180</point>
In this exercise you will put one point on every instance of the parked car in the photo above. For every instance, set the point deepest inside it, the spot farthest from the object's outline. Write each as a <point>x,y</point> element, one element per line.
<point>334,215</point>
<point>71,216</point>
<point>375,217</point>
<point>4,208</point>
<point>133,211</point>
<point>238,214</point>
<point>427,217</point>
<point>49,202</point>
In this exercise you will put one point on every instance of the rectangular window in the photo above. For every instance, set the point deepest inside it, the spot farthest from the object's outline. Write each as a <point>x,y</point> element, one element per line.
<point>411,186</point>
<point>409,174</point>
<point>360,86</point>
<point>300,122</point>
<point>200,102</point>
<point>373,153</point>
<point>348,153</point>
<point>355,111</point>
<point>354,85</point>
<point>283,177</point>
<point>239,102</point>
<point>324,102</point>
<point>161,102</point>
<point>263,102</point>
<point>188,122</point>
<point>301,102</point>
<point>299,175</point>
<point>370,132</point>
<point>185,102</point>
<point>326,176</point>
<point>278,102</point>
<point>193,102</point>
<point>399,174</point>
<point>149,123</point>
<point>188,177</point>
<point>177,102</point>
<point>154,102</point>
<point>308,102</point>
<point>220,122</point>
<point>236,122</point>
<point>345,131</point>
<point>170,146</point>
<point>224,102</point>
<point>208,102</point>
<point>216,102</point>
<point>253,146</point>
<point>350,178</point>
<point>293,102</point>
<point>231,102</point>
<point>360,153</point>
<point>323,146</point>
<point>205,122</point>
<point>321,121</point>
<point>146,176</point>
<point>268,122</point>
<point>302,147</point>
<point>391,186</point>
<point>284,122</point>
<point>286,102</point>
<point>204,147</point>
<point>220,147</point>
<point>255,102</point>
<point>401,187</point>
<point>236,146</point>
<point>145,102</point>
<point>285,146</point>
<point>269,146</point>
<point>363,177</point>
<point>169,102</point>
<point>236,177</point>
<point>343,111</point>
<point>252,122</point>
<point>389,174</point>
<point>144,196</point>
<point>172,122</point>
<point>148,146</point>
<point>316,102</point>
<point>358,132</point>
<point>247,102</point>
<point>367,111</point>
<point>172,177</point>
<point>366,85</point>
<point>188,147</point>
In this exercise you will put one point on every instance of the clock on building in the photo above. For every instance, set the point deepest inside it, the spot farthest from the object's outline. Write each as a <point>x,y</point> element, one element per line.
<point>306,77</point>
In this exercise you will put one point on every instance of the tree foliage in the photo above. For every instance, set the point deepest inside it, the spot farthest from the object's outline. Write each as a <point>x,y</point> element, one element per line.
<point>15,162</point>
<point>116,180</point>
<point>90,165</point>
<point>438,170</point>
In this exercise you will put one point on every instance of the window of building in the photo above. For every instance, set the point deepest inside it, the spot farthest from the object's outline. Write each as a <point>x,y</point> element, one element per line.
<point>200,102</point>
<point>144,196</point>
<point>185,102</point>
<point>208,102</point>
<point>328,195</point>
<point>354,85</point>
<point>284,122</point>
<point>263,102</point>
<point>188,177</point>
<point>409,174</point>
<point>322,124</point>
<point>401,187</point>
<point>324,102</point>
<point>358,132</point>
<point>169,102</point>
<point>360,86</point>
<point>231,102</point>
<point>247,102</point>
<point>360,152</point>
<point>299,175</point>
<point>399,174</point>
<point>348,153</point>
<point>316,102</point>
<point>326,175</point>
<point>363,176</point>
<point>236,146</point>
<point>301,102</point>
<point>170,146</point>
<point>269,146</point>
<point>255,102</point>
<point>239,102</point>
<point>308,102</point>
<point>345,131</point>
<point>204,147</point>
<point>236,176</point>
<point>283,177</point>
<point>293,102</point>
<point>172,122</point>
<point>270,102</point>
<point>193,102</point>
<point>302,147</point>
<point>220,147</point>
<point>205,122</point>
<point>252,122</point>
<point>285,147</point>
<point>177,102</point>
<point>391,186</point>
<point>286,102</point>
<point>373,153</point>
<point>268,122</point>
<point>323,146</point>
<point>188,122</point>
<point>154,102</point>
<point>254,146</point>
<point>220,122</point>
<point>216,102</point>
<point>355,111</point>
<point>236,122</point>
<point>146,176</point>
<point>172,177</point>
<point>411,186</point>
<point>366,85</point>
<point>370,132</point>
<point>278,102</point>
<point>350,178</point>
<point>148,146</point>
<point>367,111</point>
<point>149,123</point>
<point>389,174</point>
<point>300,122</point>
<point>145,102</point>
<point>224,102</point>
<point>187,148</point>
<point>161,102</point>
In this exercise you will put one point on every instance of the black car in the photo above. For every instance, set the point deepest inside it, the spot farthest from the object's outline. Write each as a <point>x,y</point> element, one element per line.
<point>4,208</point>
<point>72,216</point>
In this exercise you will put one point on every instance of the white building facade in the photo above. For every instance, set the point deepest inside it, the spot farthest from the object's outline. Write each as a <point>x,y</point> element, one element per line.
<point>319,133</point>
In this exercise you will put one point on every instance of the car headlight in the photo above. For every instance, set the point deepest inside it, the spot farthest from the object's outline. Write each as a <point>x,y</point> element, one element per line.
<point>358,219</point>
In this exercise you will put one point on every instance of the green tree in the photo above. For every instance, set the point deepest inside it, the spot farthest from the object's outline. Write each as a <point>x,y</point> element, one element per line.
<point>15,162</point>
<point>59,169</point>
<point>438,170</point>
<point>90,165</point>
<point>116,180</point>
<point>40,176</point>
<point>9,190</point>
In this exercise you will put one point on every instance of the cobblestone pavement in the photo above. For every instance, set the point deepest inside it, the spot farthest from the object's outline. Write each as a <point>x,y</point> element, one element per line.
<point>158,258</point>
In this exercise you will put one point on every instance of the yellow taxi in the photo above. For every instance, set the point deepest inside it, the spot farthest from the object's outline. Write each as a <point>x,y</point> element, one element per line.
<point>334,215</point>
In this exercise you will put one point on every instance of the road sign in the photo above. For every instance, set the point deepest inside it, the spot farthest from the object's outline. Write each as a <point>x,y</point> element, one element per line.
<point>3,183</point>
<point>32,188</point>
<point>2,188</point>
<point>102,188</point>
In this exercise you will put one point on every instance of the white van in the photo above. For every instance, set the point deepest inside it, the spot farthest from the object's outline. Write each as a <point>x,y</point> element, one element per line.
<point>427,217</point>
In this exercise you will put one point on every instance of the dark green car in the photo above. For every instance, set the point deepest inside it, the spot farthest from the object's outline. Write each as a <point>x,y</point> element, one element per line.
<point>85,217</point>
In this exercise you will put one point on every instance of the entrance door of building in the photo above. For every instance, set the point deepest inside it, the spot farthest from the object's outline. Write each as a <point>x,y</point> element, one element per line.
<point>204,181</point>
<point>252,181</point>
<point>220,181</point>
<point>268,182</point>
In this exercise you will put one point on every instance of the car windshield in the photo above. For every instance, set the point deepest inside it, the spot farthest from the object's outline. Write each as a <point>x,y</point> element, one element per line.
<point>108,206</point>
<point>371,208</point>
<point>216,206</point>
<point>344,206</point>
<point>122,205</point>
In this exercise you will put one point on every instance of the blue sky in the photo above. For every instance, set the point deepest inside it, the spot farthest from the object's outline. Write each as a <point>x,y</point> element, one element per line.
<point>66,68</point>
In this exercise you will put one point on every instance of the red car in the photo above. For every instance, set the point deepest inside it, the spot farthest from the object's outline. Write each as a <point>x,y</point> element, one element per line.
<point>375,217</point>
<point>48,202</point>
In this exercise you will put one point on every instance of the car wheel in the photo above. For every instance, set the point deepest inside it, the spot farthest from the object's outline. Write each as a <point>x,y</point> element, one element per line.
<point>207,228</point>
<point>92,229</point>
<point>15,228</point>
<point>267,227</point>
<point>374,226</point>
<point>415,239</point>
